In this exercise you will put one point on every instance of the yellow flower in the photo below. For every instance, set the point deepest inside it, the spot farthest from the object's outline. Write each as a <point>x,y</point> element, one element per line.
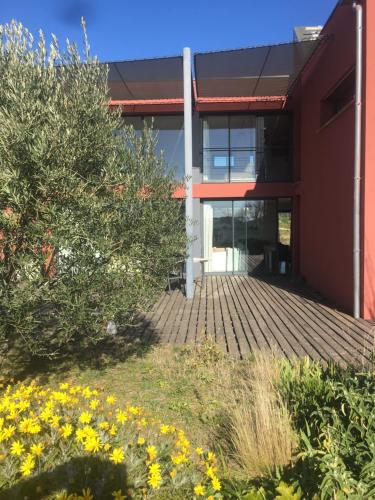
<point>37,449</point>
<point>113,430</point>
<point>85,417</point>
<point>199,490</point>
<point>17,448</point>
<point>141,440</point>
<point>7,433</point>
<point>29,425</point>
<point>117,455</point>
<point>173,473</point>
<point>210,497</point>
<point>94,403</point>
<point>92,444</point>
<point>155,482</point>
<point>211,471</point>
<point>111,400</point>
<point>152,452</point>
<point>134,410</point>
<point>27,465</point>
<point>117,495</point>
<point>86,393</point>
<point>216,484</point>
<point>121,417</point>
<point>104,425</point>
<point>179,458</point>
<point>66,430</point>
<point>199,451</point>
<point>54,421</point>
<point>106,447</point>
<point>154,469</point>
<point>64,386</point>
<point>164,429</point>
<point>211,457</point>
<point>86,495</point>
<point>63,495</point>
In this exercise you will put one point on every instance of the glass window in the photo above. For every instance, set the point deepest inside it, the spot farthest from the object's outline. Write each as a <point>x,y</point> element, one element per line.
<point>215,132</point>
<point>169,135</point>
<point>240,236</point>
<point>242,132</point>
<point>247,148</point>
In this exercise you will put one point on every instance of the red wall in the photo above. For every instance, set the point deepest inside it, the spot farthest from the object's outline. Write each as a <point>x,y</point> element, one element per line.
<point>326,167</point>
<point>368,163</point>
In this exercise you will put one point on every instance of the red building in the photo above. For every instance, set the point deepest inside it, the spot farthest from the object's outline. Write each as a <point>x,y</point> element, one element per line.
<point>276,172</point>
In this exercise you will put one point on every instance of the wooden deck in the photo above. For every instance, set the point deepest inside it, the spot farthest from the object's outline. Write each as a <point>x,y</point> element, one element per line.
<point>246,314</point>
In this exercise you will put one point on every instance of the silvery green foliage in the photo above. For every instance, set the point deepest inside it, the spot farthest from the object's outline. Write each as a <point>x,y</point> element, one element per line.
<point>88,225</point>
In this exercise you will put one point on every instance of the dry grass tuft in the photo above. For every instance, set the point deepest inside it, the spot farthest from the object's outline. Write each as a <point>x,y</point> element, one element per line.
<point>257,430</point>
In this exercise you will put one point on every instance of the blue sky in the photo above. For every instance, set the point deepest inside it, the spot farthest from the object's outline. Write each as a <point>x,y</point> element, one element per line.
<point>131,29</point>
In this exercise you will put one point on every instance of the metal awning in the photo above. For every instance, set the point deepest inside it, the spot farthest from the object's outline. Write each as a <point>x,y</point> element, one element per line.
<point>251,72</point>
<point>146,79</point>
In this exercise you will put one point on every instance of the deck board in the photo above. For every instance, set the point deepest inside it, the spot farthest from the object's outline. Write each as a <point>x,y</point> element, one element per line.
<point>245,314</point>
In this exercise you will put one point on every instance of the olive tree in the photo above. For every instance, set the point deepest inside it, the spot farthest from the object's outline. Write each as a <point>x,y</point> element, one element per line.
<point>89,228</point>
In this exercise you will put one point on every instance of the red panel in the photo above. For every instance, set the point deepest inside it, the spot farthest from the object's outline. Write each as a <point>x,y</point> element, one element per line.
<point>326,158</point>
<point>368,162</point>
<point>155,106</point>
<point>241,190</point>
<point>223,106</point>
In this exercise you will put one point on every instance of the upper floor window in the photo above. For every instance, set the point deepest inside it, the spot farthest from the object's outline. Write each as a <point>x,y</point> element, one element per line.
<point>246,148</point>
<point>338,99</point>
<point>169,135</point>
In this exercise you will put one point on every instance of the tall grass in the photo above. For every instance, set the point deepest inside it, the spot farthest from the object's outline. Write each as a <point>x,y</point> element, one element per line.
<point>251,421</point>
<point>257,428</point>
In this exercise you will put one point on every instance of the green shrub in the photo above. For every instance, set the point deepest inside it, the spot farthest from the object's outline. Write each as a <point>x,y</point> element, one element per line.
<point>333,410</point>
<point>89,228</point>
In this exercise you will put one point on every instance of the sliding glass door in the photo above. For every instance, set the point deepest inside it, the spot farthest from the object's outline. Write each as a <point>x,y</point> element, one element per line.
<point>238,235</point>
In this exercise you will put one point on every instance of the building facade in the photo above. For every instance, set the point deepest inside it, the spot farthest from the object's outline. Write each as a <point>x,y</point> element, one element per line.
<point>273,133</point>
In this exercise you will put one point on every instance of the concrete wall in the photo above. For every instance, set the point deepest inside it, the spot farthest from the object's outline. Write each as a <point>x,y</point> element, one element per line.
<point>326,166</point>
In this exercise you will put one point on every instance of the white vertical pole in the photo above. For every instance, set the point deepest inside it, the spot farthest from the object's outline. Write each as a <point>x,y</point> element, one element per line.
<point>357,167</point>
<point>188,134</point>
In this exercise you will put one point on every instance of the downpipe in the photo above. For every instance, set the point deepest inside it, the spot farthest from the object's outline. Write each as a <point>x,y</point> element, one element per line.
<point>357,163</point>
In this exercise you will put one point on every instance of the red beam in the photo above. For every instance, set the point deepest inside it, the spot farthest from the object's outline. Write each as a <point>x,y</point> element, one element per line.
<point>242,190</point>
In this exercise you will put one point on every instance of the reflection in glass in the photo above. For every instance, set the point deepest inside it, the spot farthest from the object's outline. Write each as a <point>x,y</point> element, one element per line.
<point>239,234</point>
<point>259,148</point>
<point>169,135</point>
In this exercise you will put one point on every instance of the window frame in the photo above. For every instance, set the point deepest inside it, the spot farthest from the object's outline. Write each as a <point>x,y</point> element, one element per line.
<point>255,150</point>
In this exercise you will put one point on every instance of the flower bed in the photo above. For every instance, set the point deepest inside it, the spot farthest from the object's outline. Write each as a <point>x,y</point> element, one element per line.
<point>76,442</point>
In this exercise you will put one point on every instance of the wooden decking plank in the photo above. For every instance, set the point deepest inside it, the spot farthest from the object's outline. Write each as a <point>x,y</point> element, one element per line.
<point>227,320</point>
<point>253,308</point>
<point>166,317</point>
<point>327,342</point>
<point>287,325</point>
<point>171,326</point>
<point>152,319</point>
<point>339,351</point>
<point>354,349</point>
<point>314,345</point>
<point>255,321</point>
<point>354,327</point>
<point>201,321</point>
<point>192,329</point>
<point>210,318</point>
<point>247,320</point>
<point>248,313</point>
<point>279,339</point>
<point>218,316</point>
<point>237,319</point>
<point>184,323</point>
<point>279,320</point>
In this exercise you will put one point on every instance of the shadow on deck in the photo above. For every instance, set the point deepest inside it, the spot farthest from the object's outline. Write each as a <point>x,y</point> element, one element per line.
<point>246,314</point>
